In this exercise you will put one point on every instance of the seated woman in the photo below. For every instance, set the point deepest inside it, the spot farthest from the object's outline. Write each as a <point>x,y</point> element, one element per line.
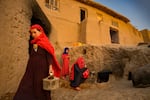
<point>78,74</point>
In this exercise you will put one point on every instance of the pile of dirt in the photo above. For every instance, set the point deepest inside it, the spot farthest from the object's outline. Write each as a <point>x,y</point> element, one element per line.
<point>119,59</point>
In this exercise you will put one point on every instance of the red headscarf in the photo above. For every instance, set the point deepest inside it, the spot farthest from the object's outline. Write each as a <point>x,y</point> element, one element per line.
<point>81,64</point>
<point>44,43</point>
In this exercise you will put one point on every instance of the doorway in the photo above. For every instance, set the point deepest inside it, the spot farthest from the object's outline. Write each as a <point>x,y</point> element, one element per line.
<point>83,23</point>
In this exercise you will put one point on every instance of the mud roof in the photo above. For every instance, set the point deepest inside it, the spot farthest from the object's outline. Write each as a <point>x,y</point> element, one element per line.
<point>105,9</point>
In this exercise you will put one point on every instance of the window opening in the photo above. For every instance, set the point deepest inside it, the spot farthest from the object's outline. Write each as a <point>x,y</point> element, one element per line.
<point>114,35</point>
<point>115,23</point>
<point>52,4</point>
<point>82,14</point>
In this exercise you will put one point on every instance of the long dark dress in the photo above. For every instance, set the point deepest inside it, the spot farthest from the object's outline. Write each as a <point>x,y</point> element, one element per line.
<point>31,87</point>
<point>78,76</point>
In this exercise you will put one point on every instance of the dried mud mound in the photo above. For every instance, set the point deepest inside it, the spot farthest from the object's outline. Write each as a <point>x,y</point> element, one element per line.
<point>118,59</point>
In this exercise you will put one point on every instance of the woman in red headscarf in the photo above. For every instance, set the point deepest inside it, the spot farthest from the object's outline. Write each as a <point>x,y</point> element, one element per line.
<point>78,74</point>
<point>42,61</point>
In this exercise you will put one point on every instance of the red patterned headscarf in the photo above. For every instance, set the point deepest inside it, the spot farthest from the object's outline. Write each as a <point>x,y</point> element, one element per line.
<point>44,43</point>
<point>81,64</point>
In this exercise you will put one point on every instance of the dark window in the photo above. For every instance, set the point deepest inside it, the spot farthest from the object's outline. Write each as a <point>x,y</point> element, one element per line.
<point>52,4</point>
<point>82,15</point>
<point>114,35</point>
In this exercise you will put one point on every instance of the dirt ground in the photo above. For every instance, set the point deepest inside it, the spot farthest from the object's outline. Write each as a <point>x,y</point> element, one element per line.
<point>120,89</point>
<point>115,90</point>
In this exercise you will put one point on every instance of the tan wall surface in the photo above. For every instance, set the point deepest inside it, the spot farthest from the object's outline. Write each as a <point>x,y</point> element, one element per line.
<point>66,23</point>
<point>14,35</point>
<point>146,35</point>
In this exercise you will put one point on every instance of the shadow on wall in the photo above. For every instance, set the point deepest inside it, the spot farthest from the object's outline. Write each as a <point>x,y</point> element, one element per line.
<point>38,17</point>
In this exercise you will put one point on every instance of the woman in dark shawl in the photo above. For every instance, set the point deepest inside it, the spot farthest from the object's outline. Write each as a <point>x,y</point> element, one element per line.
<point>78,74</point>
<point>41,62</point>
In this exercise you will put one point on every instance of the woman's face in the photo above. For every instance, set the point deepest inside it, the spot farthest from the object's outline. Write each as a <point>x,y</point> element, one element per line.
<point>67,51</point>
<point>35,33</point>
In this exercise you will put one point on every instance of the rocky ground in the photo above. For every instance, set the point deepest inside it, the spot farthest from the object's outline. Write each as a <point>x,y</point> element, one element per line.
<point>113,90</point>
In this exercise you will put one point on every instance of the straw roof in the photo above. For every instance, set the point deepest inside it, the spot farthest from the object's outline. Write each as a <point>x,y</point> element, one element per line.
<point>105,9</point>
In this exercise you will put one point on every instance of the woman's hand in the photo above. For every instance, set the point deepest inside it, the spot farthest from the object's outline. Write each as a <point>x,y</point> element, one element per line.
<point>51,71</point>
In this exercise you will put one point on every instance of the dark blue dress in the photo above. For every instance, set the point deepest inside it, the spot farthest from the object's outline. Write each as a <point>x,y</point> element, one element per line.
<point>78,76</point>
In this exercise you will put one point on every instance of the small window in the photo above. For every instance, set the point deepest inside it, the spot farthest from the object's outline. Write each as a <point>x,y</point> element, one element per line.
<point>47,3</point>
<point>114,35</point>
<point>82,15</point>
<point>52,4</point>
<point>99,17</point>
<point>115,23</point>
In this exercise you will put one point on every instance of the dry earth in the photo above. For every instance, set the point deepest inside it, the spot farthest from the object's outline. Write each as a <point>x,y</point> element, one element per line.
<point>114,90</point>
